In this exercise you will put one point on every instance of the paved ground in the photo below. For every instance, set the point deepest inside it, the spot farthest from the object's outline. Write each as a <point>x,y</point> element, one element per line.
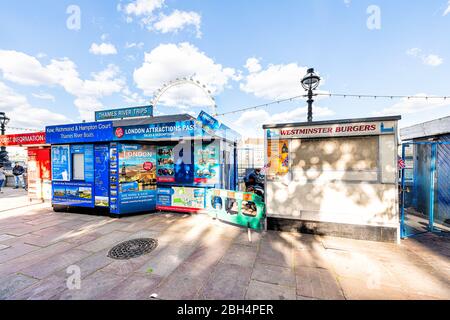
<point>198,258</point>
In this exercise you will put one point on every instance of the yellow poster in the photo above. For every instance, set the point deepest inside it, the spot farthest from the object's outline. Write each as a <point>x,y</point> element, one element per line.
<point>278,157</point>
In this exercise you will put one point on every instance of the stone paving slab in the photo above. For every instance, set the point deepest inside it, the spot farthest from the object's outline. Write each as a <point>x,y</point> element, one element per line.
<point>266,291</point>
<point>136,287</point>
<point>51,265</point>
<point>318,283</point>
<point>227,282</point>
<point>93,287</point>
<point>104,242</point>
<point>201,258</point>
<point>42,290</point>
<point>240,255</point>
<point>274,275</point>
<point>163,261</point>
<point>17,264</point>
<point>13,284</point>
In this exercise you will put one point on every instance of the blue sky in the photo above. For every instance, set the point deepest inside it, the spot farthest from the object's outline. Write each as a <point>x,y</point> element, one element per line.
<point>55,70</point>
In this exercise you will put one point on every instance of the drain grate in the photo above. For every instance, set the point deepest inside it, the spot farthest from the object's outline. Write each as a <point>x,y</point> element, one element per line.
<point>132,249</point>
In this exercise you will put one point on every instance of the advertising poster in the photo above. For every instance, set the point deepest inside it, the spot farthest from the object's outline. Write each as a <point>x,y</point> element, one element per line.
<point>61,163</point>
<point>114,178</point>
<point>278,156</point>
<point>165,164</point>
<point>77,194</point>
<point>137,178</point>
<point>181,199</point>
<point>39,173</point>
<point>101,179</point>
<point>207,164</point>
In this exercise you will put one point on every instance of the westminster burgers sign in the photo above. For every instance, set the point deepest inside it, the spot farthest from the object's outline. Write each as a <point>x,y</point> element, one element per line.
<point>336,130</point>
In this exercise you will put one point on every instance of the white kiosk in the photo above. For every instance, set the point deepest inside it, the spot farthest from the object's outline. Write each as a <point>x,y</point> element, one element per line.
<point>335,178</point>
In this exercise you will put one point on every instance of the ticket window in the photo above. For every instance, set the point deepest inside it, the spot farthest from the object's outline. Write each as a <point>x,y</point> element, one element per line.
<point>78,166</point>
<point>344,159</point>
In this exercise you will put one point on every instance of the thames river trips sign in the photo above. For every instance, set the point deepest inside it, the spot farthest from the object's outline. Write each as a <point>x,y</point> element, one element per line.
<point>135,112</point>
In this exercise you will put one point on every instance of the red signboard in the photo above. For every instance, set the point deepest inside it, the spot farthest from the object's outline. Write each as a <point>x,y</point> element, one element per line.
<point>22,139</point>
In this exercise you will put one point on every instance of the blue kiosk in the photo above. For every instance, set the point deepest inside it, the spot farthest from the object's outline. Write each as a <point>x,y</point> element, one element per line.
<point>130,166</point>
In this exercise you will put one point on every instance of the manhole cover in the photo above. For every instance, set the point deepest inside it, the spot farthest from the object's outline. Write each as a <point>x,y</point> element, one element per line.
<point>132,249</point>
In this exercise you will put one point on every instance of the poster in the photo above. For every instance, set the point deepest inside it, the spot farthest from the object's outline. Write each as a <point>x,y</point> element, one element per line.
<point>165,164</point>
<point>181,199</point>
<point>61,163</point>
<point>77,194</point>
<point>207,164</point>
<point>278,157</point>
<point>101,179</point>
<point>137,178</point>
<point>88,152</point>
<point>113,178</point>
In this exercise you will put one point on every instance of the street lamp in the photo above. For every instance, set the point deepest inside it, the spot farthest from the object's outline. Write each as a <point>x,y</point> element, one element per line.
<point>3,154</point>
<point>310,82</point>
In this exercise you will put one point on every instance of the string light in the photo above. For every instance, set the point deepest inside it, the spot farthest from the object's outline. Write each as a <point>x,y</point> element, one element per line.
<point>342,95</point>
<point>24,129</point>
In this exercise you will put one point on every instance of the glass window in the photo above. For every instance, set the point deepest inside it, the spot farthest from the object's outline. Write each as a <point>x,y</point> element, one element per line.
<point>78,166</point>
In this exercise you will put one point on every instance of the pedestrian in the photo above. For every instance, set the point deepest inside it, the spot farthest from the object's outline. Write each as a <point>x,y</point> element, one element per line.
<point>2,177</point>
<point>18,172</point>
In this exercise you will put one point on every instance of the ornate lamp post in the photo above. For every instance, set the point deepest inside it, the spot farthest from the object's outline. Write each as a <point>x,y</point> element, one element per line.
<point>310,82</point>
<point>3,153</point>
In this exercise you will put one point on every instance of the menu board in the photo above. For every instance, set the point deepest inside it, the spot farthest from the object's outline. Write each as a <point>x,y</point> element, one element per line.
<point>278,156</point>
<point>165,164</point>
<point>207,164</point>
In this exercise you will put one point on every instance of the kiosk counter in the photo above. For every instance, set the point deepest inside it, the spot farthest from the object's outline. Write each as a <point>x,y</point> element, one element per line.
<point>336,178</point>
<point>141,165</point>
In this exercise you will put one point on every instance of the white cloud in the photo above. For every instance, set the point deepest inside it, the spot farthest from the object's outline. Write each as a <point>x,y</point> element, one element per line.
<point>253,65</point>
<point>179,20</point>
<point>19,111</point>
<point>250,122</point>
<point>410,106</point>
<point>138,45</point>
<point>27,70</point>
<point>44,96</point>
<point>141,7</point>
<point>447,11</point>
<point>23,69</point>
<point>170,61</point>
<point>433,60</point>
<point>103,49</point>
<point>275,82</point>
<point>150,15</point>
<point>132,97</point>
<point>427,59</point>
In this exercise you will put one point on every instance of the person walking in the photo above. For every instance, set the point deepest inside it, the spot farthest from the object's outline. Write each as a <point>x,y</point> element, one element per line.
<point>2,177</point>
<point>18,172</point>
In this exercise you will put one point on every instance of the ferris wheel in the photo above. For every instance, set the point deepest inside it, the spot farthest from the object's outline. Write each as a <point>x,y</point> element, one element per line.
<point>181,82</point>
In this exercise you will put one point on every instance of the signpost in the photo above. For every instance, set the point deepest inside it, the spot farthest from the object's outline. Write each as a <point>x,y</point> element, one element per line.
<point>134,112</point>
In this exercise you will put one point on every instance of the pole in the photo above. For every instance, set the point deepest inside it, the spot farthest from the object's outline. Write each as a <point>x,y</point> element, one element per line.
<point>310,102</point>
